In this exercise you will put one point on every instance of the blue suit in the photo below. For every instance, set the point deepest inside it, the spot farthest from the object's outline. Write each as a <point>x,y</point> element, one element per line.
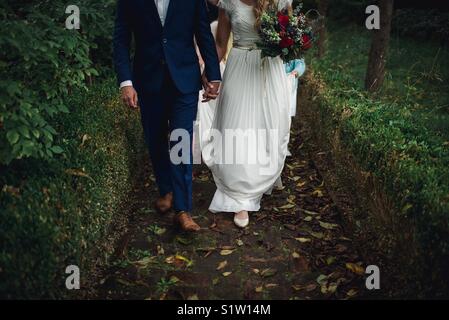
<point>166,75</point>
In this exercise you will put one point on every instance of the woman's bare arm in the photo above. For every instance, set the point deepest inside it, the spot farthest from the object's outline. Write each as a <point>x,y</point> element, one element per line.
<point>223,34</point>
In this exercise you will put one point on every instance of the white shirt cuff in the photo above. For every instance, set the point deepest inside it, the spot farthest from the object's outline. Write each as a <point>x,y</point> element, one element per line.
<point>127,83</point>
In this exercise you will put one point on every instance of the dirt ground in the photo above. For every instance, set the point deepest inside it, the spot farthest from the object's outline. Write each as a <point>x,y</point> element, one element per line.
<point>295,247</point>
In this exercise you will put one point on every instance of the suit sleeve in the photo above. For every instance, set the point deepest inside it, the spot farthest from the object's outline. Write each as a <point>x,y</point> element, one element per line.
<point>206,43</point>
<point>122,43</point>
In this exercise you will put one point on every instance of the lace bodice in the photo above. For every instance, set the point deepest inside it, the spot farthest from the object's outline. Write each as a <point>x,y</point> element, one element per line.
<point>243,21</point>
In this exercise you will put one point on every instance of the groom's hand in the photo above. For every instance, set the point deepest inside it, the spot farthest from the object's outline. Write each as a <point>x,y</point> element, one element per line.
<point>211,90</point>
<point>129,97</point>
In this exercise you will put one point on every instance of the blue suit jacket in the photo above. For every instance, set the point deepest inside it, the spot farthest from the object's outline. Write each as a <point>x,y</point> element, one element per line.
<point>158,47</point>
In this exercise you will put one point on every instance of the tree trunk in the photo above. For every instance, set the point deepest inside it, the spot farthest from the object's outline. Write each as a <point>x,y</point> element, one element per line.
<point>321,43</point>
<point>375,74</point>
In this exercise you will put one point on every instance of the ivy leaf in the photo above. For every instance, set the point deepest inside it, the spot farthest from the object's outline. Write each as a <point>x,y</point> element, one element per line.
<point>56,149</point>
<point>12,137</point>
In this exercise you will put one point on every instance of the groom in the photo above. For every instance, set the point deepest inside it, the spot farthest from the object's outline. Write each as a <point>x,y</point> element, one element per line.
<point>165,79</point>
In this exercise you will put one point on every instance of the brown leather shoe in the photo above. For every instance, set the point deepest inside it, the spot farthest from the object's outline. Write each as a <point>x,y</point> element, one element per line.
<point>185,221</point>
<point>165,203</point>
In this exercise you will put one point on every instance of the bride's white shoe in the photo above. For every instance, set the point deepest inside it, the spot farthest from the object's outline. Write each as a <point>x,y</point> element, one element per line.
<point>241,222</point>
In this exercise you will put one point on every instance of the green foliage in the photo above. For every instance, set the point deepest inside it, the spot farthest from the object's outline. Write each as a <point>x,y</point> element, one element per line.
<point>57,212</point>
<point>41,62</point>
<point>422,24</point>
<point>349,10</point>
<point>412,22</point>
<point>401,135</point>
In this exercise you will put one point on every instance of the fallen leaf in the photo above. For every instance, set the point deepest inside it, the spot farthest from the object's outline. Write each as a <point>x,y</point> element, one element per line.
<point>310,287</point>
<point>269,272</point>
<point>330,260</point>
<point>295,255</point>
<point>287,206</point>
<point>157,230</point>
<point>12,190</point>
<point>84,140</point>
<point>351,293</point>
<point>355,268</point>
<point>179,261</point>
<point>183,240</point>
<point>78,173</point>
<point>239,242</point>
<point>407,207</point>
<point>193,297</point>
<point>208,253</point>
<point>308,219</point>
<point>259,289</point>
<point>301,184</point>
<point>328,226</point>
<point>226,252</point>
<point>222,265</point>
<point>174,279</point>
<point>318,235</point>
<point>142,263</point>
<point>186,260</point>
<point>303,240</point>
<point>226,274</point>
<point>322,278</point>
<point>332,287</point>
<point>124,282</point>
<point>213,225</point>
<point>297,287</point>
<point>312,213</point>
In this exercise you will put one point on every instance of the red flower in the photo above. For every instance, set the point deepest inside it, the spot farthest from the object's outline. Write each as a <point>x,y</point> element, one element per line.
<point>306,42</point>
<point>283,20</point>
<point>286,42</point>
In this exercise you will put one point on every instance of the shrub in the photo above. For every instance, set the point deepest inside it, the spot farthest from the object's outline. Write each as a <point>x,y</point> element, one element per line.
<point>393,136</point>
<point>41,62</point>
<point>422,24</point>
<point>56,212</point>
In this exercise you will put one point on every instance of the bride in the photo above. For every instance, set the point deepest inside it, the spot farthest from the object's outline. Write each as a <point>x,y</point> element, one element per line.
<point>252,109</point>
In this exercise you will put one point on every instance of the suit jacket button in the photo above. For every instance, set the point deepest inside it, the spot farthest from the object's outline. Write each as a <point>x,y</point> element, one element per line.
<point>164,40</point>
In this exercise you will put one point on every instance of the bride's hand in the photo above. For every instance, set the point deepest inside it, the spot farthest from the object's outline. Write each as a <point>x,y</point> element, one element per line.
<point>210,89</point>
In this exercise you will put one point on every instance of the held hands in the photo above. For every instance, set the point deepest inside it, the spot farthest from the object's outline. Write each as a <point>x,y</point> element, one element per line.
<point>129,97</point>
<point>211,89</point>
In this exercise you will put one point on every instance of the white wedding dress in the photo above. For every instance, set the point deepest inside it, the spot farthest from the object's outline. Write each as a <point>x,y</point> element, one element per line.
<point>254,98</point>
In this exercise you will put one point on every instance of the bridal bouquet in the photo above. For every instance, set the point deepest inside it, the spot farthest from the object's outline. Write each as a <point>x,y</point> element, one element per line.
<point>284,34</point>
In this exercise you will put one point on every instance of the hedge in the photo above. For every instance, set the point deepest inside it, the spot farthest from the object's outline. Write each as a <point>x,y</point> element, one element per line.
<point>400,135</point>
<point>41,62</point>
<point>56,212</point>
